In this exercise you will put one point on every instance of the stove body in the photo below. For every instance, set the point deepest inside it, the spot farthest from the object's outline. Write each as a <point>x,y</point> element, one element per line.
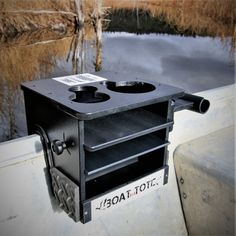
<point>105,140</point>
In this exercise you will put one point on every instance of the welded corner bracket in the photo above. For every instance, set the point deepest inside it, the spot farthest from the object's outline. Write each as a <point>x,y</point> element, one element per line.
<point>66,193</point>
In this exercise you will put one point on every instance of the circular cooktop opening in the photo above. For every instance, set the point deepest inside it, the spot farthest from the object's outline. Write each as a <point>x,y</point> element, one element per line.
<point>87,94</point>
<point>130,87</point>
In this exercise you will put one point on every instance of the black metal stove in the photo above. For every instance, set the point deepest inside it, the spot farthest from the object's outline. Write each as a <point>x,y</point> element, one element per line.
<point>105,140</point>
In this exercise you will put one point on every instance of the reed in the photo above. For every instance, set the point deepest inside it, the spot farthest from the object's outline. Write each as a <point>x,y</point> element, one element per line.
<point>62,5</point>
<point>210,17</point>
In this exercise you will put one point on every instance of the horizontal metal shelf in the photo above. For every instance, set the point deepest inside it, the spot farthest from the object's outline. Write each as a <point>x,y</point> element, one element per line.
<point>120,178</point>
<point>112,158</point>
<point>110,130</point>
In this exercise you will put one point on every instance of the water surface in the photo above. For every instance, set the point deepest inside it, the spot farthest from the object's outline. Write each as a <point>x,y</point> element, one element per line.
<point>148,48</point>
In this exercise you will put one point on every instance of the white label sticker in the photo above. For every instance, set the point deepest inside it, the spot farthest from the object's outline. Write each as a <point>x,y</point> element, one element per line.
<point>78,79</point>
<point>127,193</point>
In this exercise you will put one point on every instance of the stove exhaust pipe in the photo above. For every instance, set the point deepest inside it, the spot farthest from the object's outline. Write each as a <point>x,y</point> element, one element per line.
<point>200,104</point>
<point>192,103</point>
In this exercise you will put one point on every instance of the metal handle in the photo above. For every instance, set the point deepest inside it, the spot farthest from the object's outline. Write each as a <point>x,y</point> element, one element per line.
<point>58,146</point>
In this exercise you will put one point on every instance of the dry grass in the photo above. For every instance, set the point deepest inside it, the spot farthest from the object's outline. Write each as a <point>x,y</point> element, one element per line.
<point>12,21</point>
<point>212,17</point>
<point>52,14</point>
<point>62,5</point>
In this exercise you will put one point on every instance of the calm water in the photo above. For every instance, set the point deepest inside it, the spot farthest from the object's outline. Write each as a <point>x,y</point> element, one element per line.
<point>195,63</point>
